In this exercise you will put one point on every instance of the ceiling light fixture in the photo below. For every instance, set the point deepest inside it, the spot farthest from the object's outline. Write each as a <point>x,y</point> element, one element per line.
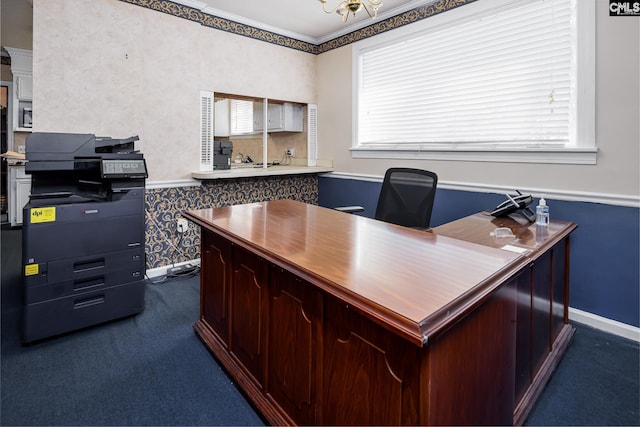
<point>352,6</point>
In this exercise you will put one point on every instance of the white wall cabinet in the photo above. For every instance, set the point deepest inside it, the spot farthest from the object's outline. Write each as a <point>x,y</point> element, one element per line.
<point>19,192</point>
<point>25,88</point>
<point>287,117</point>
<point>22,70</point>
<point>222,120</point>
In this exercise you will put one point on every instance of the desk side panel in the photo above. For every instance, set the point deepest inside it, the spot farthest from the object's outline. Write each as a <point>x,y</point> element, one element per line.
<point>472,365</point>
<point>214,284</point>
<point>248,298</point>
<point>294,351</point>
<point>540,311</point>
<point>372,377</point>
<point>560,288</point>
<point>524,374</point>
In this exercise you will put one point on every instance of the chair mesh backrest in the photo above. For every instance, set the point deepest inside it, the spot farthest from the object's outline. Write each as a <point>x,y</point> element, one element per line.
<point>406,197</point>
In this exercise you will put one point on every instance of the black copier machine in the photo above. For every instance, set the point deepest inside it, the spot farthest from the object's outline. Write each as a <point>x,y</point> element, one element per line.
<point>83,233</point>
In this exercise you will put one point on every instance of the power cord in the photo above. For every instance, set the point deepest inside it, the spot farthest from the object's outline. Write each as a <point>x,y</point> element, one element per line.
<point>285,160</point>
<point>181,271</point>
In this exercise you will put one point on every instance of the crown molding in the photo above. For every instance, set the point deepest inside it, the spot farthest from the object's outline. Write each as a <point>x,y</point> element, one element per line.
<point>258,25</point>
<point>21,59</point>
<point>197,11</point>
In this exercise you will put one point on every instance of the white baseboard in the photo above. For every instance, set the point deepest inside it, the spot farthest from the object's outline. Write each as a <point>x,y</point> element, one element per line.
<point>161,271</point>
<point>149,185</point>
<point>604,324</point>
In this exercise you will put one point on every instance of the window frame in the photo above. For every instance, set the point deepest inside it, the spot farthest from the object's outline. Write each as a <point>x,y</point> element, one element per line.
<point>583,132</point>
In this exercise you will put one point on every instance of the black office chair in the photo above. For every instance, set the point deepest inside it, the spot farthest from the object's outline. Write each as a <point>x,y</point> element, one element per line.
<point>406,198</point>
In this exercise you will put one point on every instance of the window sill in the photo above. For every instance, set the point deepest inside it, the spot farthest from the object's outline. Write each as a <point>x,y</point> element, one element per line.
<point>577,156</point>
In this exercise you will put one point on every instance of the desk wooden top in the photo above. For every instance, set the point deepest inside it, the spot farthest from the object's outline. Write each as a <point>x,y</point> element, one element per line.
<point>530,238</point>
<point>413,282</point>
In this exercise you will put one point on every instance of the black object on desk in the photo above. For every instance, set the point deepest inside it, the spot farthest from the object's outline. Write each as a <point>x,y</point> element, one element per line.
<point>517,204</point>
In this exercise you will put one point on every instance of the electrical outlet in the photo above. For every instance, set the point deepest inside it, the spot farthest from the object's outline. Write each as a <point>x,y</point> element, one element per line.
<point>291,152</point>
<point>22,149</point>
<point>182,225</point>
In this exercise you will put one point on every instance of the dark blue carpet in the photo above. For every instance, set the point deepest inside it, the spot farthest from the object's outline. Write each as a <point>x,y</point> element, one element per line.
<point>149,369</point>
<point>595,384</point>
<point>152,369</point>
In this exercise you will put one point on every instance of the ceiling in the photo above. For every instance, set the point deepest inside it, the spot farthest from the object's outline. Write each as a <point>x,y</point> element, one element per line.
<point>300,19</point>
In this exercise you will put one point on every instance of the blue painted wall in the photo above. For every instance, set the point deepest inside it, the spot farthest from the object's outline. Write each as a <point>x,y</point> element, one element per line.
<point>605,248</point>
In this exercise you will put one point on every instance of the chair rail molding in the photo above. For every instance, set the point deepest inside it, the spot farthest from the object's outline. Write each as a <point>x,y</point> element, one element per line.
<point>571,196</point>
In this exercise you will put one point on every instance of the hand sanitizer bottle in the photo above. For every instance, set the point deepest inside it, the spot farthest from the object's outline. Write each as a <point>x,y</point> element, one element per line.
<point>542,212</point>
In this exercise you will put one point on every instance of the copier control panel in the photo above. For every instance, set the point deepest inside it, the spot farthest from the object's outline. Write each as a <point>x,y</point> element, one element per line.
<point>123,168</point>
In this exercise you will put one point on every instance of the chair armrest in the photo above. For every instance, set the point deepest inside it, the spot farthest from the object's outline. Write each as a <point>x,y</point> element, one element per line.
<point>350,209</point>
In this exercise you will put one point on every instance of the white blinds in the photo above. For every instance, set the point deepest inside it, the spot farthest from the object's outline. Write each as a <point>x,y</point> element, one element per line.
<point>241,116</point>
<point>505,78</point>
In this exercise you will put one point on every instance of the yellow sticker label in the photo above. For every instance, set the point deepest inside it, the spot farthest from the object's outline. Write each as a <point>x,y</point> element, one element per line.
<point>43,215</point>
<point>30,269</point>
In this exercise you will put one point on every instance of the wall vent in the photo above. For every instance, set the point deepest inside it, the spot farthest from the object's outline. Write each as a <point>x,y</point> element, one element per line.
<point>206,131</point>
<point>312,134</point>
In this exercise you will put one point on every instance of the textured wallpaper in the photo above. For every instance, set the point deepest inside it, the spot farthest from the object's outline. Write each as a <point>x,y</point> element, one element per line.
<point>115,69</point>
<point>164,246</point>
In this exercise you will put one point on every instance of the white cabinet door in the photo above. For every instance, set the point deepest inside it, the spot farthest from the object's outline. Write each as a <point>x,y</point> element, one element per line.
<point>25,88</point>
<point>273,116</point>
<point>292,117</point>
<point>23,191</point>
<point>285,117</point>
<point>19,192</point>
<point>222,119</point>
<point>276,118</point>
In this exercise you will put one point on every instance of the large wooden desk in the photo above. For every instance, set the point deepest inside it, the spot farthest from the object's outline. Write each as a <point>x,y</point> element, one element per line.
<point>329,318</point>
